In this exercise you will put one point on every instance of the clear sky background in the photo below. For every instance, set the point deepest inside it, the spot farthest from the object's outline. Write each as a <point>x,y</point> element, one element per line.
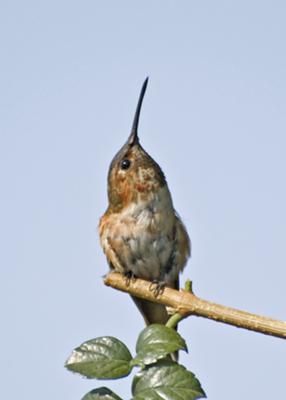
<point>213,118</point>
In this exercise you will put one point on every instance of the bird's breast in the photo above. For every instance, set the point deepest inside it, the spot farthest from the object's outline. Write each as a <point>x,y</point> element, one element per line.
<point>142,234</point>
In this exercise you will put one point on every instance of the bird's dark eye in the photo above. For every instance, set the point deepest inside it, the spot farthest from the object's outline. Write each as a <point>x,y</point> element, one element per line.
<point>125,164</point>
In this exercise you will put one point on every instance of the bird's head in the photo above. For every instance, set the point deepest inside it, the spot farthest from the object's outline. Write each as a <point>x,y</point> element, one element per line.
<point>133,175</point>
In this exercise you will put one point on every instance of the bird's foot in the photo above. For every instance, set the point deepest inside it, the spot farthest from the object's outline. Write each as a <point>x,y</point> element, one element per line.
<point>129,276</point>
<point>157,287</point>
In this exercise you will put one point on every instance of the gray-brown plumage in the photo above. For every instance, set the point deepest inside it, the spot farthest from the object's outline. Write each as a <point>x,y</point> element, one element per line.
<point>140,232</point>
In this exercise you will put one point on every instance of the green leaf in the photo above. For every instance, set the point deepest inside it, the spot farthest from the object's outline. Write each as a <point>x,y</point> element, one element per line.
<point>166,380</point>
<point>102,393</point>
<point>102,358</point>
<point>155,342</point>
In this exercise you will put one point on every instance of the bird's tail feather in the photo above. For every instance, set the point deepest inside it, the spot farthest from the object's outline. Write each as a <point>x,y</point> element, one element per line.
<point>153,313</point>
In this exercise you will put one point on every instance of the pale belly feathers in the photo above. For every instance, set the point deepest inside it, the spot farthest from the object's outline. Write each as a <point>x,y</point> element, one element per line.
<point>144,239</point>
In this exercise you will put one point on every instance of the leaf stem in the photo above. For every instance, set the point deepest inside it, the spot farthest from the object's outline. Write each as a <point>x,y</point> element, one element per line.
<point>174,320</point>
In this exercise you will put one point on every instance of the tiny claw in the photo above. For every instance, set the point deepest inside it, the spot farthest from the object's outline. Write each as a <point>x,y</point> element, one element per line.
<point>153,285</point>
<point>129,276</point>
<point>157,287</point>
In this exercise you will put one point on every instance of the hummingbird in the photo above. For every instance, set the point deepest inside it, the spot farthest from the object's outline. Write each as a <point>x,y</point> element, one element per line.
<point>141,233</point>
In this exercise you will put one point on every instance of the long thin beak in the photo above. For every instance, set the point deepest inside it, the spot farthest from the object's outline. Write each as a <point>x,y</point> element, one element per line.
<point>133,138</point>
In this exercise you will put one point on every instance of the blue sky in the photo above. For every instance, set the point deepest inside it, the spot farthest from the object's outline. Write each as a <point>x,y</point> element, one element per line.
<point>213,118</point>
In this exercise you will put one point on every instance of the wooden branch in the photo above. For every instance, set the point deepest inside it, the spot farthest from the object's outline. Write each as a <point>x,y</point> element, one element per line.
<point>186,303</point>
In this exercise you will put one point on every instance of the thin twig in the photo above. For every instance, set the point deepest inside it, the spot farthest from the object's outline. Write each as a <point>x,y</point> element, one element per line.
<point>186,303</point>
